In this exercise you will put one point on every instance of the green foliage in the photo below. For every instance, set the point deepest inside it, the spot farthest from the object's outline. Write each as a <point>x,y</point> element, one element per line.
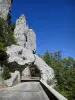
<point>6,39</point>
<point>2,47</point>
<point>3,33</point>
<point>57,55</point>
<point>47,58</point>
<point>68,62</point>
<point>6,34</point>
<point>11,39</point>
<point>6,73</point>
<point>64,73</point>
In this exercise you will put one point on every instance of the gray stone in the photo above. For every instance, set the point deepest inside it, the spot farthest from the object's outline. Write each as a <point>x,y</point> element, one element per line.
<point>20,55</point>
<point>25,37</point>
<point>4,8</point>
<point>47,73</point>
<point>15,78</point>
<point>26,72</point>
<point>20,31</point>
<point>31,40</point>
<point>23,54</point>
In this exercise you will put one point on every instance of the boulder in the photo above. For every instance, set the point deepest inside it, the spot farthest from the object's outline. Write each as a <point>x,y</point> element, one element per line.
<point>23,55</point>
<point>15,78</point>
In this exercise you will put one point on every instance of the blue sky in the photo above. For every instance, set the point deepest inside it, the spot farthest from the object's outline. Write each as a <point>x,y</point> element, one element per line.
<point>52,20</point>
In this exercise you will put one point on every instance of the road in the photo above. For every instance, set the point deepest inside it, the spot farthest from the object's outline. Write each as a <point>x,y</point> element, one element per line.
<point>24,91</point>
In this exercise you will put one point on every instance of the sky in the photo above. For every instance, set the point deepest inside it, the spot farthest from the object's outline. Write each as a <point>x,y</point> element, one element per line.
<point>53,22</point>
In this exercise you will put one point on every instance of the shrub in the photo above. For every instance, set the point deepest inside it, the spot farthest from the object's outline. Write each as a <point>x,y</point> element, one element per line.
<point>6,34</point>
<point>2,47</point>
<point>11,38</point>
<point>64,70</point>
<point>6,73</point>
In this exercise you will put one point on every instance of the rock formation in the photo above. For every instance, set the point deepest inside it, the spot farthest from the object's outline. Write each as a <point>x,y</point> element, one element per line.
<point>5,6</point>
<point>23,53</point>
<point>25,37</point>
<point>20,55</point>
<point>26,72</point>
<point>47,73</point>
<point>15,78</point>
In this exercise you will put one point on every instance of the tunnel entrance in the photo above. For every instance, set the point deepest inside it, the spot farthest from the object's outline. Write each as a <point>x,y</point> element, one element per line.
<point>34,71</point>
<point>31,73</point>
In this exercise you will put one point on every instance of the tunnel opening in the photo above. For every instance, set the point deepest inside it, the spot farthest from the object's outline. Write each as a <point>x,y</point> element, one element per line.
<point>34,71</point>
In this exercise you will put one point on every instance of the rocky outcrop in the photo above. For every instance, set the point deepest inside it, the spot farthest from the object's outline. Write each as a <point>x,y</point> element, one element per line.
<point>5,6</point>
<point>10,2</point>
<point>22,55</point>
<point>31,41</point>
<point>26,72</point>
<point>47,73</point>
<point>15,78</point>
<point>20,31</point>
<point>25,37</point>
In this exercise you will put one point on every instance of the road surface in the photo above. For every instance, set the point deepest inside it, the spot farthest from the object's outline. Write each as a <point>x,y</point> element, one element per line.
<point>24,91</point>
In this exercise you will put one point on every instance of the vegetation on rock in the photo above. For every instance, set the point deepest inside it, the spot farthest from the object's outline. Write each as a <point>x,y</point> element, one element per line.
<point>6,34</point>
<point>6,73</point>
<point>6,39</point>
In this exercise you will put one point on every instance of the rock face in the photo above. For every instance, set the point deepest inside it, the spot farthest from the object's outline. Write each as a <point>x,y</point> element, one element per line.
<point>15,78</point>
<point>4,8</point>
<point>31,40</point>
<point>25,37</point>
<point>20,55</point>
<point>47,73</point>
<point>23,53</point>
<point>26,72</point>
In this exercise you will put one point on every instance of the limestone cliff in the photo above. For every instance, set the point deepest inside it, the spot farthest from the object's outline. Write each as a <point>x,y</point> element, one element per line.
<point>23,53</point>
<point>5,6</point>
<point>10,2</point>
<point>25,37</point>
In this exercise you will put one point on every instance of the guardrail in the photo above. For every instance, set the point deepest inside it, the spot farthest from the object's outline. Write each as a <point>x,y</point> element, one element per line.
<point>51,93</point>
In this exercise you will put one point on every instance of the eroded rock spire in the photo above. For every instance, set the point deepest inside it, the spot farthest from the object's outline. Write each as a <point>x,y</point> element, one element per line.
<point>25,37</point>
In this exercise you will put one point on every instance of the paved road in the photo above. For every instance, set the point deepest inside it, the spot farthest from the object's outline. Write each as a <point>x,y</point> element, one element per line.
<point>24,91</point>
